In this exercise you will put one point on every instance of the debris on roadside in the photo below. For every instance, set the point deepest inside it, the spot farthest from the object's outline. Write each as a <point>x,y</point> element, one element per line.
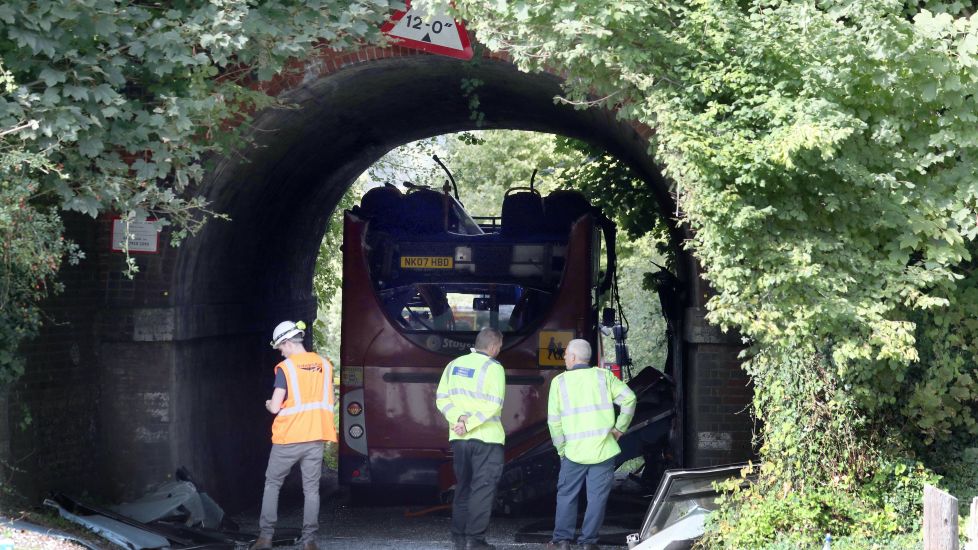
<point>174,500</point>
<point>25,534</point>
<point>173,515</point>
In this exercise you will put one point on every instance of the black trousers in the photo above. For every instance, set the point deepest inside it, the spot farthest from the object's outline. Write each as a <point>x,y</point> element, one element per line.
<point>478,467</point>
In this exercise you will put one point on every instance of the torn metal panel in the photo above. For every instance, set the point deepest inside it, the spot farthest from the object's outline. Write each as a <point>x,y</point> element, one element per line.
<point>174,499</point>
<point>213,513</point>
<point>126,536</point>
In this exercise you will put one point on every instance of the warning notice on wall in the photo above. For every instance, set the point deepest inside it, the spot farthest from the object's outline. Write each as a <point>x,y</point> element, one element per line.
<point>432,32</point>
<point>141,236</point>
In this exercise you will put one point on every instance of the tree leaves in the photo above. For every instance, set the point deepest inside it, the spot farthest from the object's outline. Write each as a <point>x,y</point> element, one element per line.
<point>110,106</point>
<point>823,154</point>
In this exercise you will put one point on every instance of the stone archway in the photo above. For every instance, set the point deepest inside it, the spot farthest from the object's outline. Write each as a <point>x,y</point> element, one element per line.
<point>180,355</point>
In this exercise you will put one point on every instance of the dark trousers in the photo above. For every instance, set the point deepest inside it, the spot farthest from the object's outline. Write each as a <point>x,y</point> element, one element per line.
<point>478,467</point>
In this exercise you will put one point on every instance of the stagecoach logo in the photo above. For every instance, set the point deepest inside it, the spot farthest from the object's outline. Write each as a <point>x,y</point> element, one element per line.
<point>437,343</point>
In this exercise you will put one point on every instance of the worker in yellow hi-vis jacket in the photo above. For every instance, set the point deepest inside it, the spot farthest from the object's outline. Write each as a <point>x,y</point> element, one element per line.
<point>581,418</point>
<point>470,396</point>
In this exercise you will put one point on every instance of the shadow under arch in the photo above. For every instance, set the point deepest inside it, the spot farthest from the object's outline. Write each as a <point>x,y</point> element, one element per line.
<point>236,279</point>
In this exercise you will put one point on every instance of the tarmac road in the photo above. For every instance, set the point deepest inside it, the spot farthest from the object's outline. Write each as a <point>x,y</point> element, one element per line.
<point>342,526</point>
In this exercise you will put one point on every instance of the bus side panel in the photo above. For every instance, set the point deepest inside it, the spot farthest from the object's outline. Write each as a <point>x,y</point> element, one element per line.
<point>403,409</point>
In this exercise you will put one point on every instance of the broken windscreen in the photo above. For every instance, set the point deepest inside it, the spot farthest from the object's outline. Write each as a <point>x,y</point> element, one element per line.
<point>683,501</point>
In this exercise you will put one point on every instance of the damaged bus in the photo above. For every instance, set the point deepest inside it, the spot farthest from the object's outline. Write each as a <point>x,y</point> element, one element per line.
<point>421,277</point>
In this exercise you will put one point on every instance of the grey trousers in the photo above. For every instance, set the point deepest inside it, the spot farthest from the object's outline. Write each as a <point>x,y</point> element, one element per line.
<point>478,467</point>
<point>572,477</point>
<point>280,461</point>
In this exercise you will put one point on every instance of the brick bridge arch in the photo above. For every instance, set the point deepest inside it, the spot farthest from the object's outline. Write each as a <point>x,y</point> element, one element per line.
<point>134,378</point>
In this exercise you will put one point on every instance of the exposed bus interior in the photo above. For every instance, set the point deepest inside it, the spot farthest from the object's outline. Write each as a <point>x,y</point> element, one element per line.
<point>436,269</point>
<point>436,275</point>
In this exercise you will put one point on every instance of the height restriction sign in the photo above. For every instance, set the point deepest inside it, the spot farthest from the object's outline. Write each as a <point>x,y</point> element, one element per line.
<point>437,33</point>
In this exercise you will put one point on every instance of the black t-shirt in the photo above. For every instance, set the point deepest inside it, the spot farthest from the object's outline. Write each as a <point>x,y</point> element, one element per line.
<point>281,383</point>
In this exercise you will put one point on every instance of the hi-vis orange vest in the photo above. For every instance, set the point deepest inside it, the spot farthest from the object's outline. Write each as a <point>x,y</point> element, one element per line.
<point>307,413</point>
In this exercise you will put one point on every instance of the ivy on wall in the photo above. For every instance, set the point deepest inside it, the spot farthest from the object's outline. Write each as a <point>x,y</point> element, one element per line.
<point>823,152</point>
<point>824,155</point>
<point>110,106</point>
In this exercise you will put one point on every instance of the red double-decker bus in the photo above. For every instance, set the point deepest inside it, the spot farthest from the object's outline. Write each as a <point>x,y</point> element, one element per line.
<point>420,279</point>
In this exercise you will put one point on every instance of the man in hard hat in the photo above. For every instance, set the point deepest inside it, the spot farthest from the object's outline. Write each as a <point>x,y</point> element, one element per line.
<point>302,402</point>
<point>470,395</point>
<point>585,432</point>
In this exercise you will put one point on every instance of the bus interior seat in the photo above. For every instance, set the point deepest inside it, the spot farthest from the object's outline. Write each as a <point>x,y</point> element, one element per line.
<point>380,205</point>
<point>563,208</point>
<point>423,212</point>
<point>437,301</point>
<point>522,212</point>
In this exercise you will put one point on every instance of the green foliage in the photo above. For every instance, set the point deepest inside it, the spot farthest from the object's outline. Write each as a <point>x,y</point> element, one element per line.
<point>31,252</point>
<point>111,106</point>
<point>957,462</point>
<point>611,186</point>
<point>614,188</point>
<point>941,399</point>
<point>470,87</point>
<point>128,97</point>
<point>327,281</point>
<point>647,342</point>
<point>856,542</point>
<point>487,163</point>
<point>873,514</point>
<point>823,153</point>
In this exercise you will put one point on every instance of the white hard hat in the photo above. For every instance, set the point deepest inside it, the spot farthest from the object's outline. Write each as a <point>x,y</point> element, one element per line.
<point>286,330</point>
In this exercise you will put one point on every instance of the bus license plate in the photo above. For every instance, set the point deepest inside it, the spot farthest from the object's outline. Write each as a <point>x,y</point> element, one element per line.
<point>426,262</point>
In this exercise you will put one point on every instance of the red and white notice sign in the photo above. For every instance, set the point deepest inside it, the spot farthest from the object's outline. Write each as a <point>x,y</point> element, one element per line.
<point>140,237</point>
<point>437,33</point>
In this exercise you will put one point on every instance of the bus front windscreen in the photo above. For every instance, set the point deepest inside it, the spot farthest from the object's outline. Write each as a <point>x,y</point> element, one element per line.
<point>449,307</point>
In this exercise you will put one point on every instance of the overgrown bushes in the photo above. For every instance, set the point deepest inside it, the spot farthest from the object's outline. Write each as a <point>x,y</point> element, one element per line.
<point>824,155</point>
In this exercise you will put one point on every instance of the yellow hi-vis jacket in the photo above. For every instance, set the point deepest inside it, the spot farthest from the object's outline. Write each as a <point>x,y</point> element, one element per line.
<point>473,385</point>
<point>307,413</point>
<point>580,413</point>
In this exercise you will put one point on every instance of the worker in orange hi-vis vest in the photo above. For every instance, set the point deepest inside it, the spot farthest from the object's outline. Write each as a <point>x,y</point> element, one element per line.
<point>302,403</point>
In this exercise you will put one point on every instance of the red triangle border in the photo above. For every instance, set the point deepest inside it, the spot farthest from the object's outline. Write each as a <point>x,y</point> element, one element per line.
<point>465,53</point>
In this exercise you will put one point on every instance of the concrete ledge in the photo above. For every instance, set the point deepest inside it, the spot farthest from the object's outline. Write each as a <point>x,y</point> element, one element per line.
<point>697,330</point>
<point>181,323</point>
<point>153,325</point>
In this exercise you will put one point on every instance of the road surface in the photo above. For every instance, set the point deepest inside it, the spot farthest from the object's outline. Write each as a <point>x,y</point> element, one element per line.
<point>347,527</point>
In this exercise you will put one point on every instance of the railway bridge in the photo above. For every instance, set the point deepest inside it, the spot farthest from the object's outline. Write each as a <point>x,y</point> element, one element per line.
<point>132,378</point>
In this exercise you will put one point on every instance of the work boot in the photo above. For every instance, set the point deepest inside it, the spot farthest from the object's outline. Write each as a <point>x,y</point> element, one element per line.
<point>310,545</point>
<point>474,544</point>
<point>559,545</point>
<point>459,542</point>
<point>263,543</point>
<point>590,547</point>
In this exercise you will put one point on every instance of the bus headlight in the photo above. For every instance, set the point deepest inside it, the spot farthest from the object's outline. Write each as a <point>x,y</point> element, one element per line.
<point>356,431</point>
<point>354,409</point>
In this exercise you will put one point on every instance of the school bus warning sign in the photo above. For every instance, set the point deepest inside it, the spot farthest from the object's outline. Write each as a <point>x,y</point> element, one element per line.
<point>552,346</point>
